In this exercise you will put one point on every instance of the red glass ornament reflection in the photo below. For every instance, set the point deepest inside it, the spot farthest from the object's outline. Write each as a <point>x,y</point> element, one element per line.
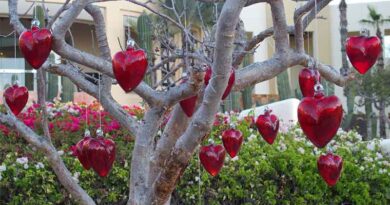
<point>101,155</point>
<point>16,98</point>
<point>188,105</point>
<point>232,140</point>
<point>330,167</point>
<point>212,157</point>
<point>129,67</point>
<point>229,87</point>
<point>268,126</point>
<point>308,78</point>
<point>363,52</point>
<point>35,44</point>
<point>81,152</point>
<point>320,118</point>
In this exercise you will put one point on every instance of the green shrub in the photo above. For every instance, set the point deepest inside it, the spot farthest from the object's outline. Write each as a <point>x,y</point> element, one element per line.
<point>282,173</point>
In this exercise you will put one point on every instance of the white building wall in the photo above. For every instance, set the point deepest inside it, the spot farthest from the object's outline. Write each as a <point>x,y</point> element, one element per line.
<point>254,18</point>
<point>356,10</point>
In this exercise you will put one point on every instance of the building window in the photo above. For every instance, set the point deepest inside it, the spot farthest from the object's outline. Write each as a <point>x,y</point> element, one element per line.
<point>130,25</point>
<point>13,67</point>
<point>386,44</point>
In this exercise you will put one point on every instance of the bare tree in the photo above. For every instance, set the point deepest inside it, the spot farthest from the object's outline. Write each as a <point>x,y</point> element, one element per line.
<point>158,162</point>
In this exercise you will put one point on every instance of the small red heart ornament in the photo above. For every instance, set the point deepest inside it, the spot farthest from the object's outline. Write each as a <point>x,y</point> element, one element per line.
<point>188,105</point>
<point>16,98</point>
<point>330,167</point>
<point>320,118</point>
<point>101,155</point>
<point>363,52</point>
<point>35,45</point>
<point>212,157</point>
<point>232,140</point>
<point>308,78</point>
<point>81,152</point>
<point>129,68</point>
<point>229,87</point>
<point>268,126</point>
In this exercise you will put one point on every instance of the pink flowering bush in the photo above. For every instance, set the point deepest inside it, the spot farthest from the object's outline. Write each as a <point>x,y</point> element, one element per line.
<point>67,124</point>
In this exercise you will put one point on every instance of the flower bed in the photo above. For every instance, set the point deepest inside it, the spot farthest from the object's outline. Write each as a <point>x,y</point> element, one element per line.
<point>282,173</point>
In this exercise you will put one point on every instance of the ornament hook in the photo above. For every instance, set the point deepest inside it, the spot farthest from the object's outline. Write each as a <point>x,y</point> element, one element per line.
<point>329,149</point>
<point>318,88</point>
<point>99,132</point>
<point>35,23</point>
<point>364,32</point>
<point>16,82</point>
<point>87,133</point>
<point>267,109</point>
<point>130,42</point>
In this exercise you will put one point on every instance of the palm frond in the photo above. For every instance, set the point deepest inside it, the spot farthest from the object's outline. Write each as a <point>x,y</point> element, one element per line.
<point>373,14</point>
<point>366,21</point>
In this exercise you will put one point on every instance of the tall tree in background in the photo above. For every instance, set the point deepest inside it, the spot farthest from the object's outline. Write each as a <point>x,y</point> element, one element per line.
<point>376,21</point>
<point>158,161</point>
<point>350,88</point>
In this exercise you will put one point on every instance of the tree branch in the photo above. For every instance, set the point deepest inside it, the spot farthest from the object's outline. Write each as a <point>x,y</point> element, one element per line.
<point>42,102</point>
<point>203,118</point>
<point>14,17</point>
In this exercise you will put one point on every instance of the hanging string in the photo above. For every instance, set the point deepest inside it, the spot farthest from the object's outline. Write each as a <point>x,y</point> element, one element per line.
<point>316,28</point>
<point>100,110</point>
<point>17,80</point>
<point>35,12</point>
<point>199,176</point>
<point>216,11</point>
<point>128,32</point>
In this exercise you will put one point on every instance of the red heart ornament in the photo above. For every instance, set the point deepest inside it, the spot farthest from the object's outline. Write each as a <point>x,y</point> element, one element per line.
<point>101,155</point>
<point>232,140</point>
<point>308,78</point>
<point>212,157</point>
<point>320,118</point>
<point>229,87</point>
<point>268,126</point>
<point>81,152</point>
<point>363,52</point>
<point>35,45</point>
<point>188,105</point>
<point>330,167</point>
<point>16,98</point>
<point>129,68</point>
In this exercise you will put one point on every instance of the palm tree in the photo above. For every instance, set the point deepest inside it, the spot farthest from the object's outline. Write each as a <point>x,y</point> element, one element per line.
<point>376,20</point>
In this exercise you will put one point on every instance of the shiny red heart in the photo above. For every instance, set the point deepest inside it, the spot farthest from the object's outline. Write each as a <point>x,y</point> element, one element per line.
<point>268,126</point>
<point>101,155</point>
<point>16,98</point>
<point>232,140</point>
<point>330,167</point>
<point>35,45</point>
<point>81,152</point>
<point>229,87</point>
<point>308,78</point>
<point>320,118</point>
<point>363,52</point>
<point>188,105</point>
<point>212,157</point>
<point>129,68</point>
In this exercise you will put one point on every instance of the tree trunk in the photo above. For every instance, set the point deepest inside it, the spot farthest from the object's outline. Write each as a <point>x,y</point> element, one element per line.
<point>382,105</point>
<point>368,111</point>
<point>348,92</point>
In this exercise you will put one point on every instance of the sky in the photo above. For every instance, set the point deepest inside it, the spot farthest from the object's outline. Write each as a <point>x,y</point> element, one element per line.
<point>355,1</point>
